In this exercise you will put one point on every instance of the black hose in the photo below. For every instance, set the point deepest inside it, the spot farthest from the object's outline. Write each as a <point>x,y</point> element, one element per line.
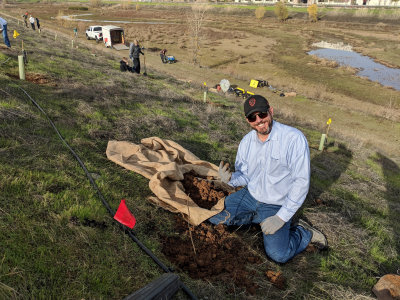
<point>103,200</point>
<point>5,61</point>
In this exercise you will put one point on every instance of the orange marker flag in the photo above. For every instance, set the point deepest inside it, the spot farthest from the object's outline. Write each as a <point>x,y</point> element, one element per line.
<point>124,216</point>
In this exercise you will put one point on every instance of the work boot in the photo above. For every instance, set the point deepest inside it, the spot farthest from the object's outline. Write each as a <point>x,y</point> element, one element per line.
<point>318,239</point>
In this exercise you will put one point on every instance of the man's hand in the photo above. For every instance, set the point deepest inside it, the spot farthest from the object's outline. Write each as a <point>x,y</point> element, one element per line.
<point>272,224</point>
<point>224,172</point>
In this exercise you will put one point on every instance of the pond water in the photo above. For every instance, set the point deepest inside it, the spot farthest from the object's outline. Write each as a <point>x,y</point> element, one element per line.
<point>367,67</point>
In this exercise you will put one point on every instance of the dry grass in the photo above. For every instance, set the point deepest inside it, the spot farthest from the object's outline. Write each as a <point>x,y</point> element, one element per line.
<point>259,12</point>
<point>324,62</point>
<point>362,12</point>
<point>125,4</point>
<point>393,15</point>
<point>325,290</point>
<point>95,3</point>
<point>81,26</point>
<point>348,70</point>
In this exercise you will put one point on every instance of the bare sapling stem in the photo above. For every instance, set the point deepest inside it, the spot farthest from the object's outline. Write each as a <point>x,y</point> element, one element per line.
<point>190,232</point>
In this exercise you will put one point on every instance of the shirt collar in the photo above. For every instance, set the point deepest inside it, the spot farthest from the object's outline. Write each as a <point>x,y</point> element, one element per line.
<point>273,135</point>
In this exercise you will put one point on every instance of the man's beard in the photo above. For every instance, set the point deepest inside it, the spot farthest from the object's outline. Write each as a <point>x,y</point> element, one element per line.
<point>268,131</point>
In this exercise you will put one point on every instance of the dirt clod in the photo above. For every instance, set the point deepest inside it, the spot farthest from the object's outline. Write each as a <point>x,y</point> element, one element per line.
<point>311,249</point>
<point>276,278</point>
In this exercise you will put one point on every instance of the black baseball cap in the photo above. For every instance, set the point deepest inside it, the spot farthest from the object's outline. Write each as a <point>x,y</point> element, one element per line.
<point>255,103</point>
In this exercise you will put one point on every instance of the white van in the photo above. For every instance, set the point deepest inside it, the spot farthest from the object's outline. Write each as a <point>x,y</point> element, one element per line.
<point>113,37</point>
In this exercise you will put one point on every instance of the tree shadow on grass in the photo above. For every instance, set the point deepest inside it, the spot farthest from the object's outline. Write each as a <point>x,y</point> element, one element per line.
<point>391,174</point>
<point>326,169</point>
<point>202,150</point>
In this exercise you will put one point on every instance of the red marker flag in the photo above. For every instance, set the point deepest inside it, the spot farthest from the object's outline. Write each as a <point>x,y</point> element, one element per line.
<point>124,216</point>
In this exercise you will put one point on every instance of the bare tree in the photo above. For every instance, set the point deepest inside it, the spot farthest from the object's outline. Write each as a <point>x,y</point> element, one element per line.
<point>95,3</point>
<point>195,19</point>
<point>125,4</point>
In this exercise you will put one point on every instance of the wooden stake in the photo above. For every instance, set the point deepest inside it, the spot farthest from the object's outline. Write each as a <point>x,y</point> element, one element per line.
<point>327,129</point>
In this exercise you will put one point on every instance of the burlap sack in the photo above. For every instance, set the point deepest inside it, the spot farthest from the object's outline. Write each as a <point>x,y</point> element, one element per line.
<point>165,162</point>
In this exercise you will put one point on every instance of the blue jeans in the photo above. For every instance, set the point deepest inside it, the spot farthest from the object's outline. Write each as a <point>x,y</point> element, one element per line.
<point>241,208</point>
<point>5,36</point>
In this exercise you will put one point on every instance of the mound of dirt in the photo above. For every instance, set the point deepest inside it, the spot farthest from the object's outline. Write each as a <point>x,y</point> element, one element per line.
<point>211,253</point>
<point>203,192</point>
<point>35,78</point>
<point>207,251</point>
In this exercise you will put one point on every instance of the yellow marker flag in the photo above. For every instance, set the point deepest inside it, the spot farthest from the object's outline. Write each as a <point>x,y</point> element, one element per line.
<point>205,83</point>
<point>254,83</point>
<point>329,121</point>
<point>15,34</point>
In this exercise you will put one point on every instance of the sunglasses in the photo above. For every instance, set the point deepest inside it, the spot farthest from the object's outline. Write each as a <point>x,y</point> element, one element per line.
<point>253,117</point>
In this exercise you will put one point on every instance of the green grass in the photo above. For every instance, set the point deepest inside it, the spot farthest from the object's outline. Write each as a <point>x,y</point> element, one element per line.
<point>48,251</point>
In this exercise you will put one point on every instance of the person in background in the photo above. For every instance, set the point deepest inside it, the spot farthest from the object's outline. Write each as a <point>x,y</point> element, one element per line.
<point>75,32</point>
<point>25,16</point>
<point>38,24</point>
<point>134,52</point>
<point>3,30</point>
<point>163,55</point>
<point>273,166</point>
<point>32,21</point>
<point>124,65</point>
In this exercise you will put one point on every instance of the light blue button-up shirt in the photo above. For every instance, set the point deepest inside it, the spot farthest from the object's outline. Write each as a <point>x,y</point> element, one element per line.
<point>276,171</point>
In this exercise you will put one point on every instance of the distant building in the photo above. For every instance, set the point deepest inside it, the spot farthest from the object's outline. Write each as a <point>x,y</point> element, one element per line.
<point>390,3</point>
